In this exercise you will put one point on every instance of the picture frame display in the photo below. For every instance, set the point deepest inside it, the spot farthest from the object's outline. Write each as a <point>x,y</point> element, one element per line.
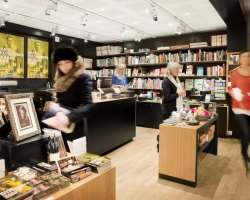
<point>22,116</point>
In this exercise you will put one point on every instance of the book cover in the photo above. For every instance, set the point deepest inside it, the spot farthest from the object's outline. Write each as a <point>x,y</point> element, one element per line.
<point>189,84</point>
<point>198,84</point>
<point>200,71</point>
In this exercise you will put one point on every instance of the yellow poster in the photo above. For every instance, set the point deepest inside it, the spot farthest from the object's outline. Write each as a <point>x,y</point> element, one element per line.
<point>38,58</point>
<point>11,56</point>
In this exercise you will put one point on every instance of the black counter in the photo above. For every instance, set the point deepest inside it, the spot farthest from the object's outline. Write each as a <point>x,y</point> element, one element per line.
<point>148,114</point>
<point>111,125</point>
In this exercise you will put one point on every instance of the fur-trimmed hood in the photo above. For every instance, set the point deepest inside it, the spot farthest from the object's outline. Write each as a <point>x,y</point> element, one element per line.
<point>63,82</point>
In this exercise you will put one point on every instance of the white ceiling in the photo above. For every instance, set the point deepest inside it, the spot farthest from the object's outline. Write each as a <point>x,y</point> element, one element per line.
<point>113,16</point>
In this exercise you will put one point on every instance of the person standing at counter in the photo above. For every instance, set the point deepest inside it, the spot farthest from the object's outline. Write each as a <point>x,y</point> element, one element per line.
<point>73,89</point>
<point>240,92</point>
<point>172,90</point>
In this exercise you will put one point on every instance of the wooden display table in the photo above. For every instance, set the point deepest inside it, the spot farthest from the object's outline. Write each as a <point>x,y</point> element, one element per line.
<point>94,187</point>
<point>180,148</point>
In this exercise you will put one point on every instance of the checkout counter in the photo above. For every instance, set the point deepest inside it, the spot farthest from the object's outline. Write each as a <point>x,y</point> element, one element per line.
<point>111,123</point>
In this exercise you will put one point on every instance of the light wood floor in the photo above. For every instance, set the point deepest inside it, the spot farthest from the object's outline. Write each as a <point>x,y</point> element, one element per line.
<point>220,178</point>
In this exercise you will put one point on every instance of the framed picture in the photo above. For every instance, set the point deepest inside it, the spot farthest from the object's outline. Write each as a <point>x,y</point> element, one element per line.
<point>11,56</point>
<point>234,58</point>
<point>38,58</point>
<point>22,116</point>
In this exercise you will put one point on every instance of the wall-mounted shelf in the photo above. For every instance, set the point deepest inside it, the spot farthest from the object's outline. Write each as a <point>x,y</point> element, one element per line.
<point>163,51</point>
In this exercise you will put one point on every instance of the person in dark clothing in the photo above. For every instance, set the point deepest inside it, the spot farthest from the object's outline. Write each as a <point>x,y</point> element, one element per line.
<point>172,91</point>
<point>73,89</point>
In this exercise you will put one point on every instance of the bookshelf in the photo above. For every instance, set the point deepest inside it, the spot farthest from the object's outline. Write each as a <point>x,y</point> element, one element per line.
<point>147,62</point>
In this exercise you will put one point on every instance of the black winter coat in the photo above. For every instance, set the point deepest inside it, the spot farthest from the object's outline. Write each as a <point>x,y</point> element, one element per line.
<point>79,100</point>
<point>169,98</point>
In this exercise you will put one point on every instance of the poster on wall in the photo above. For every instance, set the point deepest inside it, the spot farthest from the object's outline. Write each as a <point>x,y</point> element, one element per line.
<point>38,58</point>
<point>11,56</point>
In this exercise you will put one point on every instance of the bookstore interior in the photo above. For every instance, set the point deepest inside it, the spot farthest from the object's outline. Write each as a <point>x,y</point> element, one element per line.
<point>126,100</point>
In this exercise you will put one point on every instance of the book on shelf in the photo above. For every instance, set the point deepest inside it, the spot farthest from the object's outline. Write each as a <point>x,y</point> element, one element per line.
<point>88,62</point>
<point>224,40</point>
<point>200,71</point>
<point>216,70</point>
<point>208,85</point>
<point>219,40</point>
<point>220,89</point>
<point>145,83</point>
<point>114,61</point>
<point>189,70</point>
<point>198,84</point>
<point>189,84</point>
<point>198,44</point>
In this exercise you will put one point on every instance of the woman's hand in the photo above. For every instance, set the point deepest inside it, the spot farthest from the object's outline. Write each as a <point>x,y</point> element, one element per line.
<point>63,118</point>
<point>182,93</point>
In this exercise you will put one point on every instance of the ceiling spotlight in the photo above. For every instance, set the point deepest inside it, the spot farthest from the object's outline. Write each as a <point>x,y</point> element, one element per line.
<point>93,37</point>
<point>52,6</point>
<point>138,36</point>
<point>5,3</point>
<point>2,22</point>
<point>54,31</point>
<point>180,29</point>
<point>153,12</point>
<point>84,19</point>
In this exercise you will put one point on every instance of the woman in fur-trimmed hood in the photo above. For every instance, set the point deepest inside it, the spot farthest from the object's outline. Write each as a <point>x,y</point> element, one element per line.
<point>73,89</point>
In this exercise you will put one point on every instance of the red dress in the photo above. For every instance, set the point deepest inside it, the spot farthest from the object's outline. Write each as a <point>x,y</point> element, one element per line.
<point>240,92</point>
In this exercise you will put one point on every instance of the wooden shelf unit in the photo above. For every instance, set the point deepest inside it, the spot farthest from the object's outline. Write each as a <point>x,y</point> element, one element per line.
<point>179,150</point>
<point>97,186</point>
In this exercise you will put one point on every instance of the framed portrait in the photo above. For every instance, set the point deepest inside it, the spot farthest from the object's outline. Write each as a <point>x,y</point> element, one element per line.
<point>234,58</point>
<point>22,116</point>
<point>38,58</point>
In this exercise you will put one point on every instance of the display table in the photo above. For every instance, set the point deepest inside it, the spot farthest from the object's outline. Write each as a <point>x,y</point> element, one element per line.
<point>180,148</point>
<point>94,187</point>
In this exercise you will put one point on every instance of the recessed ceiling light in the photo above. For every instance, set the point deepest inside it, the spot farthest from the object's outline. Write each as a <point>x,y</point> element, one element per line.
<point>147,11</point>
<point>93,36</point>
<point>187,13</point>
<point>102,9</point>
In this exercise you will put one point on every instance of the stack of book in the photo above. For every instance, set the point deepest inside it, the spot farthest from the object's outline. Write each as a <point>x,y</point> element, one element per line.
<point>176,47</point>
<point>198,44</point>
<point>97,163</point>
<point>115,61</point>
<point>108,50</point>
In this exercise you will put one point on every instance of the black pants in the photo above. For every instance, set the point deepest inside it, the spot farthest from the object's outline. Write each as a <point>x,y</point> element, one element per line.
<point>243,122</point>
